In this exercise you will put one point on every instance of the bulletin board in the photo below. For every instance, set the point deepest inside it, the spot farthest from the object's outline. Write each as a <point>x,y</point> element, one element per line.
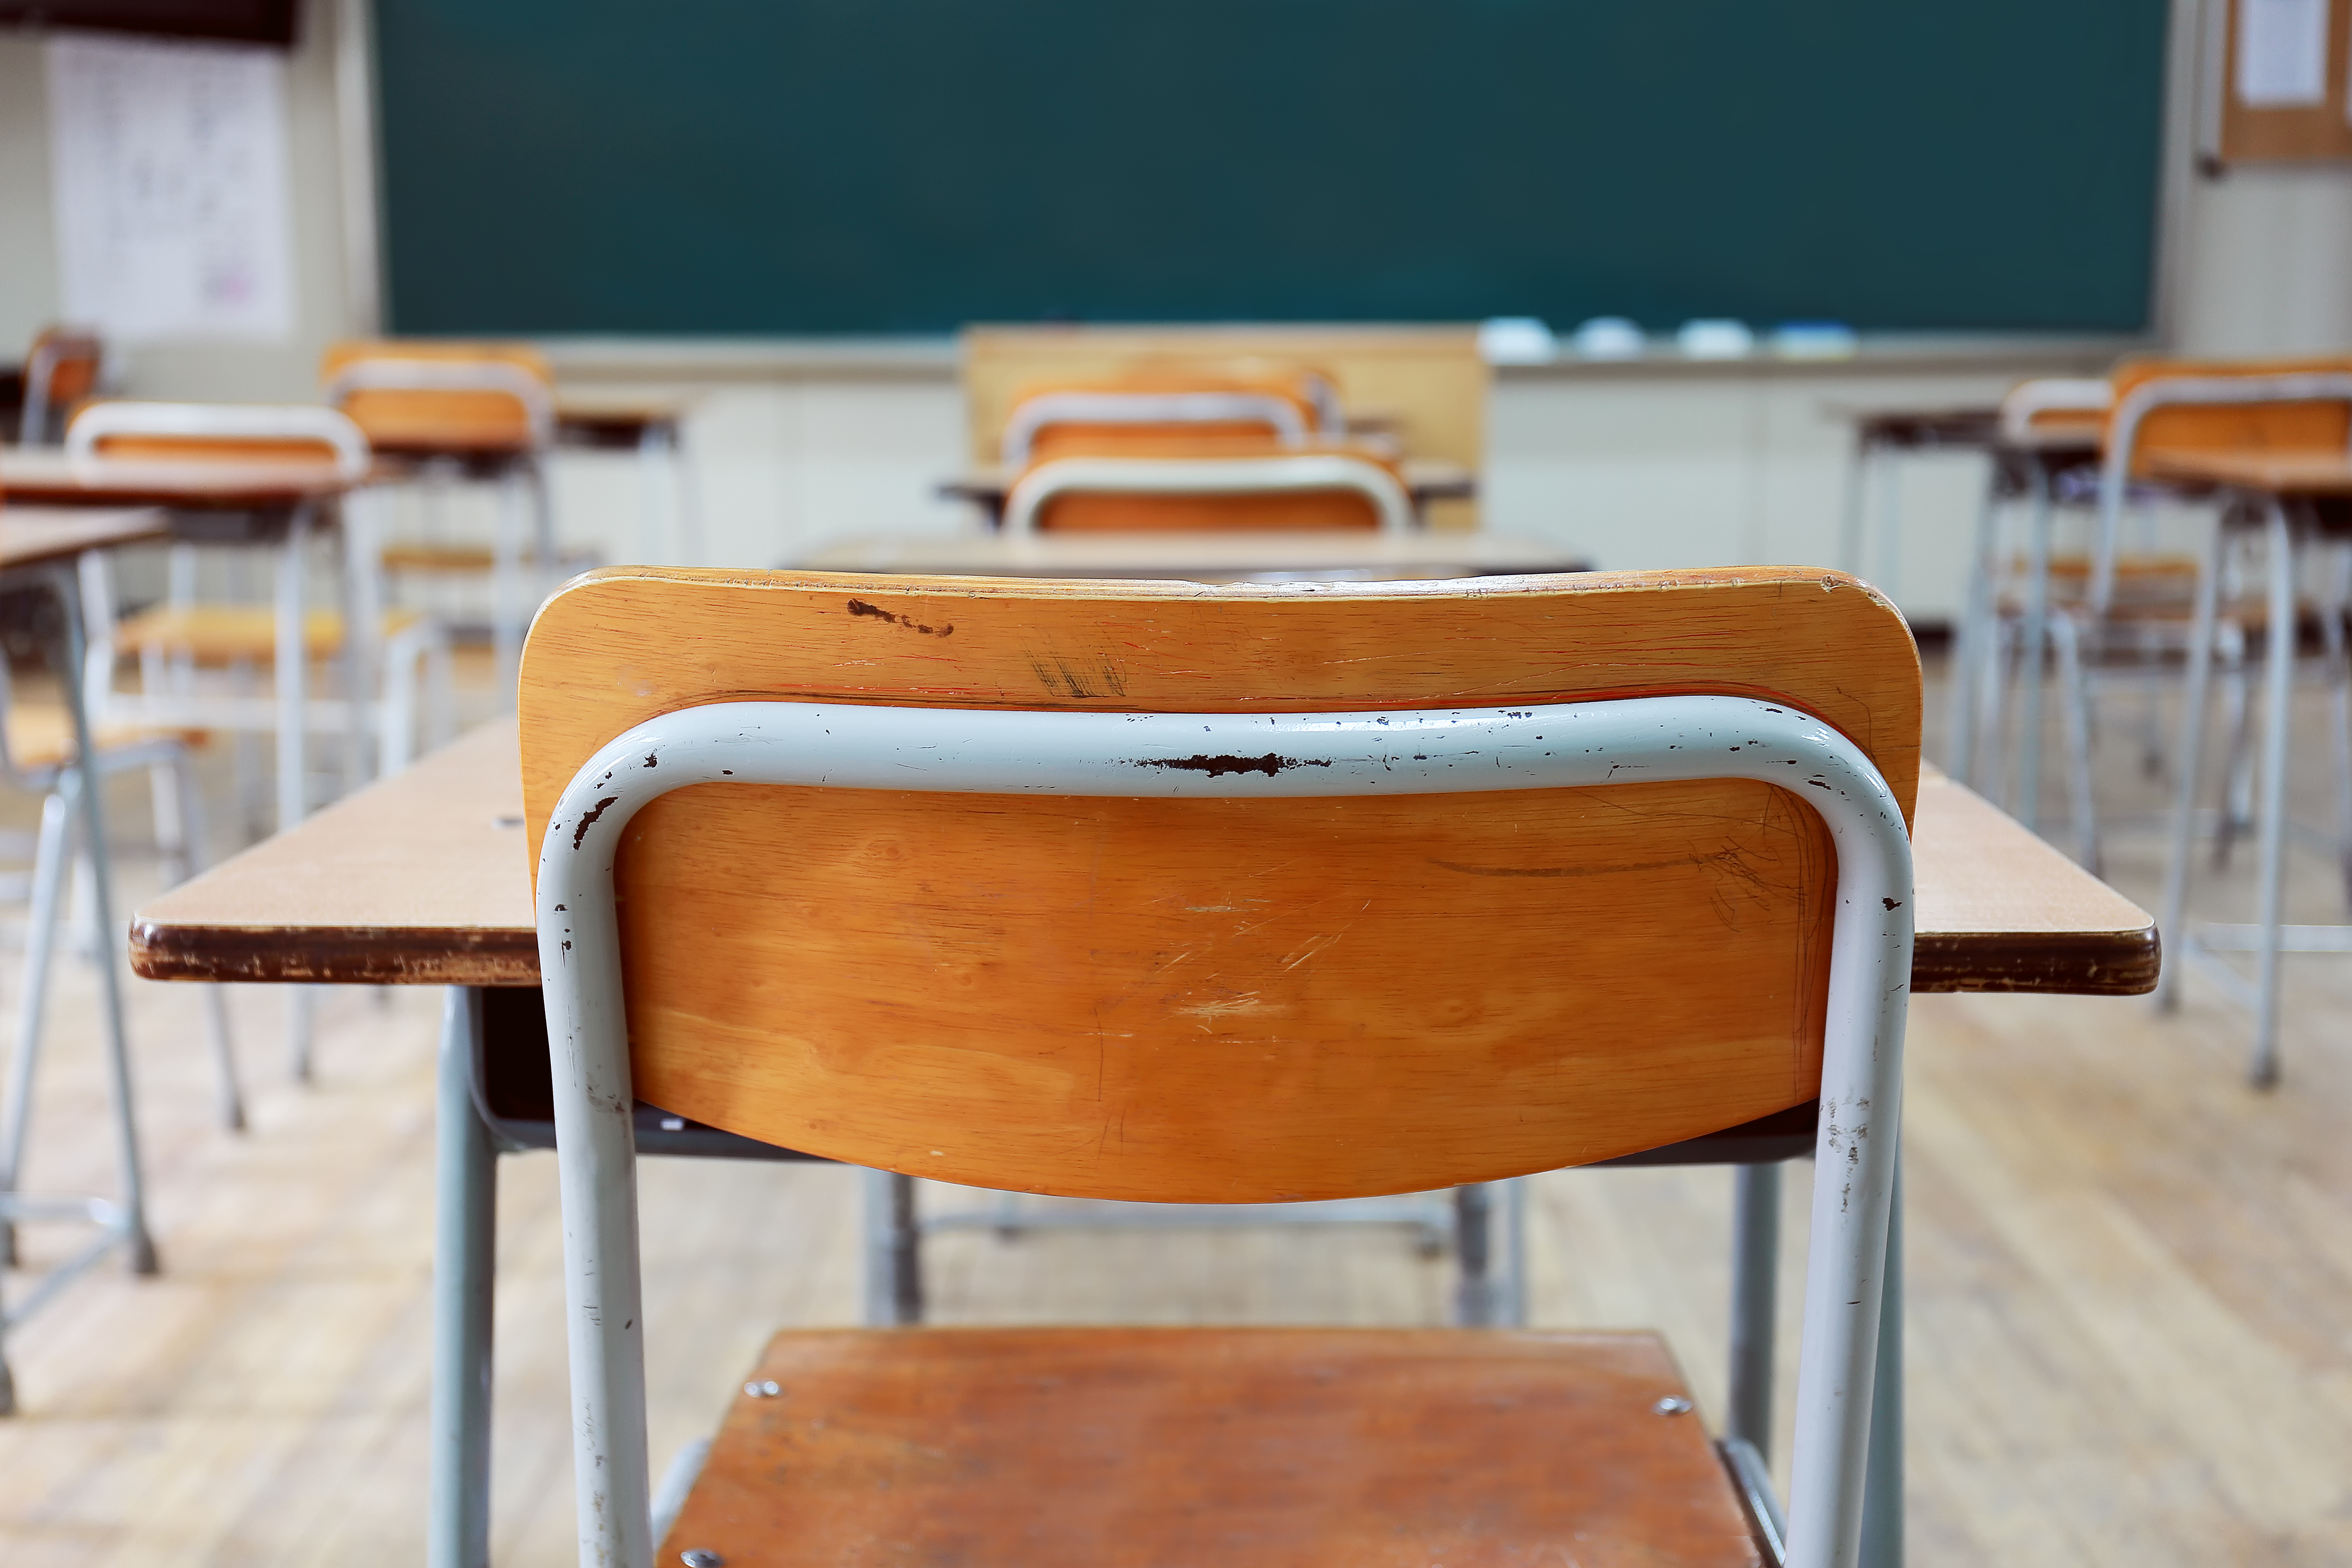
<point>2279,78</point>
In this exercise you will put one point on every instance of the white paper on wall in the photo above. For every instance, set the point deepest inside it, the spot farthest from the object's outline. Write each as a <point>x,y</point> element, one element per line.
<point>2282,53</point>
<point>169,162</point>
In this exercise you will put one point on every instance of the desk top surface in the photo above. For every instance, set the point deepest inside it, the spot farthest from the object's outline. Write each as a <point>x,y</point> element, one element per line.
<point>1337,553</point>
<point>2276,473</point>
<point>422,879</point>
<point>37,535</point>
<point>48,475</point>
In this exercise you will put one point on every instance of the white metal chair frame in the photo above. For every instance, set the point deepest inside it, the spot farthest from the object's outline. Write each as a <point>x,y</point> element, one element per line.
<point>509,615</point>
<point>1046,409</point>
<point>1000,752</point>
<point>2028,401</point>
<point>288,422</point>
<point>1391,503</point>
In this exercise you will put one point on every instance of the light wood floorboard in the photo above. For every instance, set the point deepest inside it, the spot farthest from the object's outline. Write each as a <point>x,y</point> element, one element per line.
<point>2131,1307</point>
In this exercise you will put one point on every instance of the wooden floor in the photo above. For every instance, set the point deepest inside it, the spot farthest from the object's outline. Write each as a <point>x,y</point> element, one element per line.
<point>2130,1330</point>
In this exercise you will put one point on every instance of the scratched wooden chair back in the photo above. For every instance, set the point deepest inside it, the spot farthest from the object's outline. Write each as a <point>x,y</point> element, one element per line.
<point>1213,969</point>
<point>2162,407</point>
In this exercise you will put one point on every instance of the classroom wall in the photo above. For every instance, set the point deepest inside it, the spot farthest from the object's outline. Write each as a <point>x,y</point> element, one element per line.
<point>29,292</point>
<point>1636,466</point>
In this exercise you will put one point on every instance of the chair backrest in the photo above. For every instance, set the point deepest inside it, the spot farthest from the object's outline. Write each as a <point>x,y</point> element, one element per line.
<point>62,369</point>
<point>1211,493</point>
<point>2052,410</point>
<point>219,433</point>
<point>1231,1000</point>
<point>1155,409</point>
<point>434,398</point>
<point>1425,386</point>
<point>2163,406</point>
<point>2171,406</point>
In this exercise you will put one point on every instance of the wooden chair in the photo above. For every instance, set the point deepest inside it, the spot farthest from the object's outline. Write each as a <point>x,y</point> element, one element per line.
<point>940,876</point>
<point>59,372</point>
<point>474,411</point>
<point>1211,484</point>
<point>1422,388</point>
<point>197,659</point>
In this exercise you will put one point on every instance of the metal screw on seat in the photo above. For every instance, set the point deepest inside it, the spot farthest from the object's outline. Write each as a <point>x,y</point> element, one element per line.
<point>767,1390</point>
<point>698,1558</point>
<point>1672,1404</point>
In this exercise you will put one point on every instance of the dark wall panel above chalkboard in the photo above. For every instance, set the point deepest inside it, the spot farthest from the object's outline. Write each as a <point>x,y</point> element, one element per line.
<point>804,166</point>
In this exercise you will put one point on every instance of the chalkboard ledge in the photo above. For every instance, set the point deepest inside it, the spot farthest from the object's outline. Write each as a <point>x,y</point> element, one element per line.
<point>932,359</point>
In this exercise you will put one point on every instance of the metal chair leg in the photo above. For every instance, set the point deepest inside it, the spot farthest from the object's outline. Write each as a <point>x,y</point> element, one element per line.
<point>1755,1300</point>
<point>894,1258</point>
<point>465,1273</point>
<point>2066,634</point>
<point>1473,1294</point>
<point>2263,1071</point>
<point>2171,925</point>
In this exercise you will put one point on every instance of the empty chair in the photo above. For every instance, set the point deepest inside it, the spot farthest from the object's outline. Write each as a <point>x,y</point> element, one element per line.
<point>896,894</point>
<point>472,411</point>
<point>199,661</point>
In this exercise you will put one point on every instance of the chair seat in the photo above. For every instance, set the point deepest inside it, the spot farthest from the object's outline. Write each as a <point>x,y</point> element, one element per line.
<point>1123,1447</point>
<point>217,634</point>
<point>41,737</point>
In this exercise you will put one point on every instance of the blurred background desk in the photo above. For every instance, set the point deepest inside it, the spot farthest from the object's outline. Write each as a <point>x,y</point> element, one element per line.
<point>1209,557</point>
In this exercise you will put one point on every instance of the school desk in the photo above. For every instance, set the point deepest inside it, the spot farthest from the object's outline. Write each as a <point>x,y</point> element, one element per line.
<point>422,879</point>
<point>1342,553</point>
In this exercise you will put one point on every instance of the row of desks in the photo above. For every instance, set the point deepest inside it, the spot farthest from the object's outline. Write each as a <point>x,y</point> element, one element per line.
<point>422,881</point>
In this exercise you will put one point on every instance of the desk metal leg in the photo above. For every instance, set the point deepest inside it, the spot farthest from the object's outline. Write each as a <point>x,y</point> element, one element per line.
<point>465,1236</point>
<point>139,1246</point>
<point>894,1264</point>
<point>1882,1503</point>
<point>1755,1300</point>
<point>2035,651</point>
<point>1474,1292</point>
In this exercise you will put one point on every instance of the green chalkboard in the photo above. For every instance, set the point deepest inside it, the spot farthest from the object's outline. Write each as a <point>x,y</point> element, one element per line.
<point>811,166</point>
